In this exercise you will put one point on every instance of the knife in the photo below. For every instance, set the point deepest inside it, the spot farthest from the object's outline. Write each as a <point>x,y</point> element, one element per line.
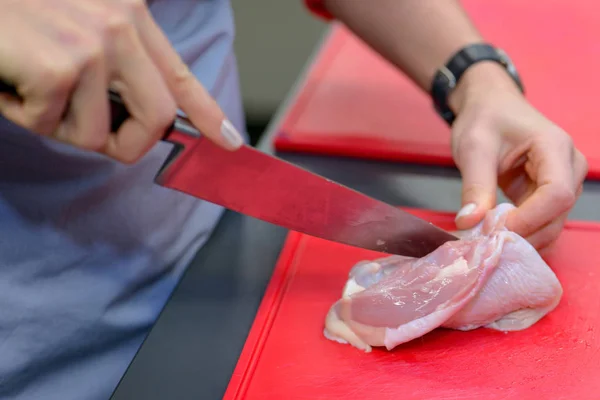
<point>268,188</point>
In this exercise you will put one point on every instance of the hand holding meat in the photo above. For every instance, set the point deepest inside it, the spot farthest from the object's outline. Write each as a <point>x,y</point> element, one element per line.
<point>64,55</point>
<point>500,140</point>
<point>490,278</point>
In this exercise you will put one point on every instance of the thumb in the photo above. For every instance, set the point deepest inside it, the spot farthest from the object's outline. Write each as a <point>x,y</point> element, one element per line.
<point>478,165</point>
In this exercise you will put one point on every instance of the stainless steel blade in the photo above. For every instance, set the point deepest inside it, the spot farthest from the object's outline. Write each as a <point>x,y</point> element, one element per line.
<point>270,189</point>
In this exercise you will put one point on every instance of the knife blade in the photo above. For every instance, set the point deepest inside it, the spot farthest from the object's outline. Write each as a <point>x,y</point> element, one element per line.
<point>268,188</point>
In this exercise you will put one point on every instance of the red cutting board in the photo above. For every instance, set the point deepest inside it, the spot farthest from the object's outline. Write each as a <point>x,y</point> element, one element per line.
<point>286,355</point>
<point>355,104</point>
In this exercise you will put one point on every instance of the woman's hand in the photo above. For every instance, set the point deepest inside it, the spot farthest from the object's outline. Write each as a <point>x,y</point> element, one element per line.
<point>64,55</point>
<point>500,140</point>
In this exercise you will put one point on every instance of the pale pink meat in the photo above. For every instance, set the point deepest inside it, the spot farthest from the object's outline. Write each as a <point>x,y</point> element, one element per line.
<point>490,278</point>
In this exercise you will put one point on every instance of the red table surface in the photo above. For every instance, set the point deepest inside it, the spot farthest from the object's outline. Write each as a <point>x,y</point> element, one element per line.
<point>286,355</point>
<point>356,104</point>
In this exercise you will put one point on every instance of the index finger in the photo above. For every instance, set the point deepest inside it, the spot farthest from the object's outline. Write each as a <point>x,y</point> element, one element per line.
<point>555,193</point>
<point>188,92</point>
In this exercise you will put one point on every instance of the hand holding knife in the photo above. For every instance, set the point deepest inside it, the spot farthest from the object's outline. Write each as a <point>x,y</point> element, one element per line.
<point>265,187</point>
<point>59,89</point>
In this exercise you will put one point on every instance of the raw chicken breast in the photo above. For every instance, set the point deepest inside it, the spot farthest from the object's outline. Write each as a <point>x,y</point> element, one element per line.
<point>490,278</point>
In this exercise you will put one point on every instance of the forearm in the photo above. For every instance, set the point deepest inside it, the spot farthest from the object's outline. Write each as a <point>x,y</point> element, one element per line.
<point>418,36</point>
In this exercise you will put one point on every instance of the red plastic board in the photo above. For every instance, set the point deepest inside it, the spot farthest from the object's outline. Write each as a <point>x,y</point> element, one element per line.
<point>354,103</point>
<point>286,355</point>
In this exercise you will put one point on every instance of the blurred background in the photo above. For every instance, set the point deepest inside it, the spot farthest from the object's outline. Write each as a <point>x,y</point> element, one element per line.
<point>274,42</point>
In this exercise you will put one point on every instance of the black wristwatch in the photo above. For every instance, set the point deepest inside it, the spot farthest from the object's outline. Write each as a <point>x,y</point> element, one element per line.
<point>448,76</point>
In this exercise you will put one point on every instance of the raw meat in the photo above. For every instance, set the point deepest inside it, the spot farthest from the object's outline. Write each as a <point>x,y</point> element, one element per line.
<point>491,278</point>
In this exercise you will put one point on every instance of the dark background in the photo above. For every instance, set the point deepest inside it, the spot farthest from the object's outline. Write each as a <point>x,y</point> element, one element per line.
<point>274,41</point>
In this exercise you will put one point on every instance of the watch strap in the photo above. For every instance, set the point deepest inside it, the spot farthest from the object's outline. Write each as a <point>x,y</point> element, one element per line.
<point>448,76</point>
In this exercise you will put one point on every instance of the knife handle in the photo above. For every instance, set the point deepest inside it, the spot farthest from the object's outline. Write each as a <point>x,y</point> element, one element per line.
<point>8,89</point>
<point>118,110</point>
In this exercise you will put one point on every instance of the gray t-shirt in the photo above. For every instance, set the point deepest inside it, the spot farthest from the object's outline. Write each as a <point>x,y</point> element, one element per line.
<point>91,249</point>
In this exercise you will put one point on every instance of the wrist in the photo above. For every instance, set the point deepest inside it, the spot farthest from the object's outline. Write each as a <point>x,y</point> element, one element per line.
<point>481,79</point>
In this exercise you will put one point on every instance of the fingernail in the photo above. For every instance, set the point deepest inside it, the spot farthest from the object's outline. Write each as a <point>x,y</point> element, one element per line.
<point>466,210</point>
<point>231,135</point>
